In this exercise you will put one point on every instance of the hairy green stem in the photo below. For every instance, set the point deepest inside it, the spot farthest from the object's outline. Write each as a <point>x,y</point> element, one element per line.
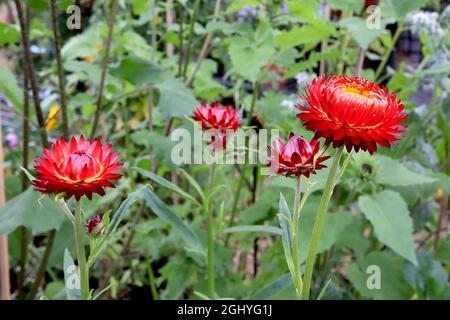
<point>295,239</point>
<point>180,35</point>
<point>191,36</point>
<point>210,231</point>
<point>81,254</point>
<point>204,50</point>
<point>151,281</point>
<point>318,225</point>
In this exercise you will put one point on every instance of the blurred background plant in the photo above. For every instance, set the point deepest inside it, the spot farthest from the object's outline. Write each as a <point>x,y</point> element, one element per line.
<point>142,66</point>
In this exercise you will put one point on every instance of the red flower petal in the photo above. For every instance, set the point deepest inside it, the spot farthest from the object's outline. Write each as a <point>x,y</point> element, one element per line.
<point>78,169</point>
<point>352,111</point>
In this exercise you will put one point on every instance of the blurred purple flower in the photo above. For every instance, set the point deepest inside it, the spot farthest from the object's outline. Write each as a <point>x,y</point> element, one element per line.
<point>12,140</point>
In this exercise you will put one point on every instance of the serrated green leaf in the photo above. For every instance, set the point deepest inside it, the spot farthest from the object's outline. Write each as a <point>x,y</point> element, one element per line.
<point>31,210</point>
<point>392,278</point>
<point>389,214</point>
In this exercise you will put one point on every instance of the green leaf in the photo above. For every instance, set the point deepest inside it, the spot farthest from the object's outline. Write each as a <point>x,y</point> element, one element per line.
<point>8,34</point>
<point>443,252</point>
<point>273,288</point>
<point>38,5</point>
<point>175,99</point>
<point>138,71</point>
<point>268,229</point>
<point>160,145</point>
<point>284,219</point>
<point>250,54</point>
<point>139,6</point>
<point>239,4</point>
<point>429,278</point>
<point>393,282</point>
<point>247,59</point>
<point>334,225</point>
<point>259,211</point>
<point>71,277</point>
<point>193,183</point>
<point>388,213</point>
<point>164,212</point>
<point>354,5</point>
<point>167,184</point>
<point>352,236</point>
<point>10,89</point>
<point>323,290</point>
<point>359,31</point>
<point>300,35</point>
<point>82,45</point>
<point>437,69</point>
<point>399,9</point>
<point>392,172</point>
<point>31,210</point>
<point>117,218</point>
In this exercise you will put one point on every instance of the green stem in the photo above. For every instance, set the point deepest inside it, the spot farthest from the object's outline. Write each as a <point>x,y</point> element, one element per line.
<point>180,35</point>
<point>151,280</point>
<point>204,50</point>
<point>191,36</point>
<point>153,27</point>
<point>388,52</point>
<point>79,240</point>
<point>111,23</point>
<point>210,231</point>
<point>318,225</point>
<point>295,240</point>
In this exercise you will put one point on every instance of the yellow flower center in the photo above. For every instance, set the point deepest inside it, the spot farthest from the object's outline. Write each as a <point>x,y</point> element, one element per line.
<point>356,91</point>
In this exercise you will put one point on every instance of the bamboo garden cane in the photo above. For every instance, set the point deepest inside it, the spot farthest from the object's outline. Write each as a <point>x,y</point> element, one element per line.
<point>4,256</point>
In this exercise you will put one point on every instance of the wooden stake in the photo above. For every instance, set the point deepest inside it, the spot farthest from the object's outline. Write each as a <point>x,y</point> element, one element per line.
<point>4,256</point>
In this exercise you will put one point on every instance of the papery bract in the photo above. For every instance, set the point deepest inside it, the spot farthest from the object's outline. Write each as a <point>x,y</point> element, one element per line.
<point>93,222</point>
<point>221,121</point>
<point>297,157</point>
<point>79,168</point>
<point>353,112</point>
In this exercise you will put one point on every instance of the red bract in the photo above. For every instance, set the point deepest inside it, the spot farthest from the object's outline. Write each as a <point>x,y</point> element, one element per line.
<point>353,112</point>
<point>77,169</point>
<point>94,221</point>
<point>217,118</point>
<point>296,157</point>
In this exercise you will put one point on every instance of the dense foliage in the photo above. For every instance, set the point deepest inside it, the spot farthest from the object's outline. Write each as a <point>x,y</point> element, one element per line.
<point>148,237</point>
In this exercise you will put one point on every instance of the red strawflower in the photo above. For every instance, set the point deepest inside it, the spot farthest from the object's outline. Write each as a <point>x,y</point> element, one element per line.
<point>78,169</point>
<point>221,121</point>
<point>352,111</point>
<point>296,157</point>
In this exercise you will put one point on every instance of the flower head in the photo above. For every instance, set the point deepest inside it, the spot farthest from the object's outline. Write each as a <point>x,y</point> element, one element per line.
<point>353,112</point>
<point>296,157</point>
<point>79,168</point>
<point>221,121</point>
<point>93,222</point>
